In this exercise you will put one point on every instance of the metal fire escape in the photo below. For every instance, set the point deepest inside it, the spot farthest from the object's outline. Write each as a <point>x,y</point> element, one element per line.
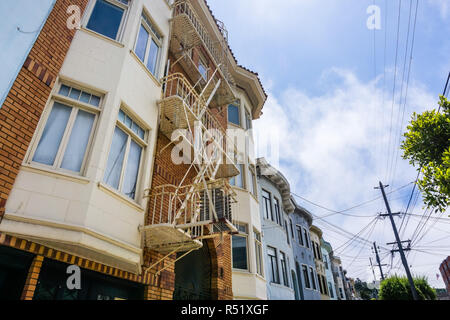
<point>182,215</point>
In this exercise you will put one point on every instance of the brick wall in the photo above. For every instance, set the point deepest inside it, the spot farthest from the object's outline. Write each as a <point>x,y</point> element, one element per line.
<point>166,172</point>
<point>28,96</point>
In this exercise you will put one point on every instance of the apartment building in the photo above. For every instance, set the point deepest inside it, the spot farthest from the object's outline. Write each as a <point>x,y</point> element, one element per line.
<point>301,220</point>
<point>327,252</point>
<point>316,236</point>
<point>276,208</point>
<point>249,280</point>
<point>100,129</point>
<point>338,276</point>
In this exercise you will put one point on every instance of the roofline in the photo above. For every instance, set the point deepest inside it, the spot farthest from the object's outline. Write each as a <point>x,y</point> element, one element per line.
<point>317,230</point>
<point>237,65</point>
<point>278,179</point>
<point>303,211</point>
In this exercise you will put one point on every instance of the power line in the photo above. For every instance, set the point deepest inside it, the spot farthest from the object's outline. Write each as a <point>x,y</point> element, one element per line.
<point>407,83</point>
<point>393,89</point>
<point>351,208</point>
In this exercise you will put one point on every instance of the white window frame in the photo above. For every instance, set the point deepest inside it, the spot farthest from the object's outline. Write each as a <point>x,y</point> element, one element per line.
<point>141,142</point>
<point>243,235</point>
<point>252,184</point>
<point>123,22</point>
<point>76,105</point>
<point>152,35</point>
<point>248,119</point>
<point>309,284</point>
<point>238,105</point>
<point>264,202</point>
<point>307,240</point>
<point>284,271</point>
<point>259,250</point>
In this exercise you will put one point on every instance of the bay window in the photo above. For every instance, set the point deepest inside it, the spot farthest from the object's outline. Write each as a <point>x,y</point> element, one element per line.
<point>258,253</point>
<point>300,236</point>
<point>239,248</point>
<point>313,278</point>
<point>68,131</point>
<point>238,180</point>
<point>233,114</point>
<point>273,263</point>
<point>148,45</point>
<point>277,212</point>
<point>284,269</point>
<point>267,205</point>
<point>306,277</point>
<point>107,17</point>
<point>124,160</point>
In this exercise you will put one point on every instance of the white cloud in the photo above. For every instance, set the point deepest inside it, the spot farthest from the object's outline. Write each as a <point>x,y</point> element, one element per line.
<point>442,5</point>
<point>333,150</point>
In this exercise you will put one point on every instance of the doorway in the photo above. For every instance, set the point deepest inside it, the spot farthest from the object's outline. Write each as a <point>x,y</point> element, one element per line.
<point>193,275</point>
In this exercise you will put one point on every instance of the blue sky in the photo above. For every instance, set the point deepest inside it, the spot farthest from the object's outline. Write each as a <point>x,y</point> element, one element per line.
<point>331,103</point>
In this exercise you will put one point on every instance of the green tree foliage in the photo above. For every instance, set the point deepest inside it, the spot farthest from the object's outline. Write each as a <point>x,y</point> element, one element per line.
<point>364,291</point>
<point>398,288</point>
<point>427,145</point>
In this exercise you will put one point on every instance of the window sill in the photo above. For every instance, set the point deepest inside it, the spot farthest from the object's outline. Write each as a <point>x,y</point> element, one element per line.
<point>243,271</point>
<point>234,126</point>
<point>281,286</point>
<point>239,189</point>
<point>102,37</point>
<point>55,173</point>
<point>131,203</point>
<point>155,80</point>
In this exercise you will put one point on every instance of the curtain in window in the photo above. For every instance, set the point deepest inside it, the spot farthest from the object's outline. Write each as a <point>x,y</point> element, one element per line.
<point>141,45</point>
<point>79,138</point>
<point>53,133</point>
<point>152,57</point>
<point>115,159</point>
<point>131,173</point>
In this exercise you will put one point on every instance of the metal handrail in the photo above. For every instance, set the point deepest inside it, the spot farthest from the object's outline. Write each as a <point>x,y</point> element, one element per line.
<point>184,7</point>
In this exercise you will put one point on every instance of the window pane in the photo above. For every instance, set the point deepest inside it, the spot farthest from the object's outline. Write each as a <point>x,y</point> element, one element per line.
<point>79,138</point>
<point>233,114</point>
<point>105,19</point>
<point>251,186</point>
<point>95,101</point>
<point>115,160</point>
<point>64,90</point>
<point>75,94</point>
<point>237,181</point>
<point>128,121</point>
<point>131,173</point>
<point>239,252</point>
<point>203,71</point>
<point>141,44</point>
<point>152,57</point>
<point>85,97</point>
<point>53,133</point>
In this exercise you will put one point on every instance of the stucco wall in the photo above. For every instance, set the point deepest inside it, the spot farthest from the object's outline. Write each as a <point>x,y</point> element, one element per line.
<point>303,255</point>
<point>274,236</point>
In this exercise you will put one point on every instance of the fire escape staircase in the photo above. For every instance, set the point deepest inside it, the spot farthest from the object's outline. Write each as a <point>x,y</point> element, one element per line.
<point>181,216</point>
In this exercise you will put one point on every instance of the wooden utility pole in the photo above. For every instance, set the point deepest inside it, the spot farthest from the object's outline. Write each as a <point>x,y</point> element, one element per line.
<point>400,246</point>
<point>378,260</point>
